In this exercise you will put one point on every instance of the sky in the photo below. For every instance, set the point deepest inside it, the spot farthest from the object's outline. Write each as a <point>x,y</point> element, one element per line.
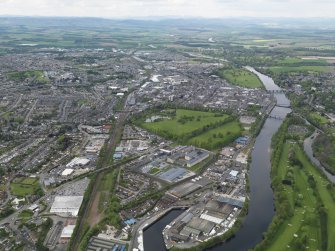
<point>172,8</point>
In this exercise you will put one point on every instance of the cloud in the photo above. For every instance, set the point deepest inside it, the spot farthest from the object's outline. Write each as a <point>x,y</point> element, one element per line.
<point>188,8</point>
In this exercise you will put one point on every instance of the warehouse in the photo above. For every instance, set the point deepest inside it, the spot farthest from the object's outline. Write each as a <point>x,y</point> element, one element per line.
<point>184,189</point>
<point>77,162</point>
<point>173,174</point>
<point>197,227</point>
<point>66,205</point>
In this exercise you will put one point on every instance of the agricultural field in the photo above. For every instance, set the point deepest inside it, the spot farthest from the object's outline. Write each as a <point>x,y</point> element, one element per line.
<point>306,190</point>
<point>240,77</point>
<point>24,186</point>
<point>204,129</point>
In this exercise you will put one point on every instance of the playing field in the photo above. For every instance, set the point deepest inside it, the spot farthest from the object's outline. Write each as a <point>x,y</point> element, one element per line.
<point>184,121</point>
<point>217,137</point>
<point>209,130</point>
<point>304,228</point>
<point>241,77</point>
<point>24,186</point>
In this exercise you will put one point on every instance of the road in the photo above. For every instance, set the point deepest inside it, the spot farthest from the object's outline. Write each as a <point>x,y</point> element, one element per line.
<point>27,118</point>
<point>13,107</point>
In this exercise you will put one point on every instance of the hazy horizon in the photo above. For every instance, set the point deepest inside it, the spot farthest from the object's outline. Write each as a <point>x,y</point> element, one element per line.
<point>134,9</point>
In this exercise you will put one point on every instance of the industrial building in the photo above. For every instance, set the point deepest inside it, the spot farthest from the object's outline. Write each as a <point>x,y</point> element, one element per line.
<point>66,205</point>
<point>184,189</point>
<point>67,233</point>
<point>173,174</point>
<point>77,162</point>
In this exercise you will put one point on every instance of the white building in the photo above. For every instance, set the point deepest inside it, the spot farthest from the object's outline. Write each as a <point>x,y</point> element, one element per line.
<point>66,205</point>
<point>67,172</point>
<point>77,162</point>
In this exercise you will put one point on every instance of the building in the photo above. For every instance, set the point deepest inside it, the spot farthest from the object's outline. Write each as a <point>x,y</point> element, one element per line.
<point>66,205</point>
<point>195,157</point>
<point>173,174</point>
<point>67,172</point>
<point>117,155</point>
<point>78,162</point>
<point>67,233</point>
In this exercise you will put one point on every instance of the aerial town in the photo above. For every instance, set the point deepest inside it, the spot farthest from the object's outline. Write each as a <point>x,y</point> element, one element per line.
<point>100,144</point>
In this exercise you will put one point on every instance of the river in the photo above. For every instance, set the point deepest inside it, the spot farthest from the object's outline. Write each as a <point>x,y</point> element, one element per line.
<point>309,151</point>
<point>261,207</point>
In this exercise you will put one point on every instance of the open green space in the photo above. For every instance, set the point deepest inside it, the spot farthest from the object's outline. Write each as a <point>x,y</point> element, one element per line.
<point>318,118</point>
<point>305,203</point>
<point>305,68</point>
<point>36,75</point>
<point>291,61</point>
<point>209,130</point>
<point>240,77</point>
<point>217,137</point>
<point>25,186</point>
<point>182,121</point>
<point>26,214</point>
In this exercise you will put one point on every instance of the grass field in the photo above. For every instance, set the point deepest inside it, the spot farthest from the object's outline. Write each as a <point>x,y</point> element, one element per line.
<point>22,75</point>
<point>303,229</point>
<point>241,77</point>
<point>24,186</point>
<point>318,118</point>
<point>197,120</point>
<point>305,68</point>
<point>215,137</point>
<point>27,214</point>
<point>192,127</point>
<point>291,61</point>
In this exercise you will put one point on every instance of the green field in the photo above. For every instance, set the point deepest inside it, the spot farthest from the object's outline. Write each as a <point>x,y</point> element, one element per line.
<point>26,214</point>
<point>304,228</point>
<point>217,137</point>
<point>291,61</point>
<point>240,77</point>
<point>204,129</point>
<point>25,186</point>
<point>305,68</point>
<point>175,126</point>
<point>318,118</point>
<point>23,75</point>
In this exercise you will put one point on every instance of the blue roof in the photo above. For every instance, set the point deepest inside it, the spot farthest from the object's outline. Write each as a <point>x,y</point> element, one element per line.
<point>117,155</point>
<point>231,201</point>
<point>130,221</point>
<point>172,174</point>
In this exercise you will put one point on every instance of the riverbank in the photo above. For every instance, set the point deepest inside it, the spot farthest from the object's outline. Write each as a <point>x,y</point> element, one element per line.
<point>308,142</point>
<point>304,200</point>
